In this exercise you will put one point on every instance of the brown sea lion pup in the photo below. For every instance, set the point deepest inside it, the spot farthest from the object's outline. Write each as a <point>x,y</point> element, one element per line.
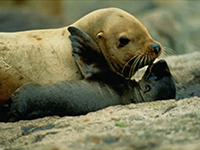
<point>45,56</point>
<point>99,89</point>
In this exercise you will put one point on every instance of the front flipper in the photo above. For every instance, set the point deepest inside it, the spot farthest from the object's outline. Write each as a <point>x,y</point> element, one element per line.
<point>87,53</point>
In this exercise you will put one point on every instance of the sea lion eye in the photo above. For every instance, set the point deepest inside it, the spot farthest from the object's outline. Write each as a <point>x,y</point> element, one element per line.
<point>147,88</point>
<point>123,41</point>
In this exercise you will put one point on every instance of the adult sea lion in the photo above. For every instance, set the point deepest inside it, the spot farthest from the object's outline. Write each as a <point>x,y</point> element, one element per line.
<point>45,56</point>
<point>100,87</point>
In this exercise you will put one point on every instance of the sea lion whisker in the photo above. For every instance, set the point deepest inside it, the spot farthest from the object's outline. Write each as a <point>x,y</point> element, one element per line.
<point>163,54</point>
<point>171,51</point>
<point>132,66</point>
<point>128,62</point>
<point>135,64</point>
<point>134,57</point>
<point>146,60</point>
<point>142,60</point>
<point>149,59</point>
<point>129,74</point>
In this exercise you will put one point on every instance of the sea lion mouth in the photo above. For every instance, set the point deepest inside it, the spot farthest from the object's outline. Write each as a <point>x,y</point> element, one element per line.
<point>135,63</point>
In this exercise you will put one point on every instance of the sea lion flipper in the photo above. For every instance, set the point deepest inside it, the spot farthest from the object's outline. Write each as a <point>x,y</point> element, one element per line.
<point>86,52</point>
<point>85,39</point>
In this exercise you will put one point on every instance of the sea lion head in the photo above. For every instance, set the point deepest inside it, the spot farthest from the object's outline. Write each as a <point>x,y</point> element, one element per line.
<point>126,43</point>
<point>157,83</point>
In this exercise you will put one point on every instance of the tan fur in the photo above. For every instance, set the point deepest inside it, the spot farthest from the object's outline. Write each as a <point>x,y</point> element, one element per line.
<point>44,56</point>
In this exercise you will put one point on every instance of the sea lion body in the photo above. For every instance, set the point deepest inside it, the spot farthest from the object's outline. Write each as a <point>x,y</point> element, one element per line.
<point>99,89</point>
<point>81,97</point>
<point>65,98</point>
<point>44,56</point>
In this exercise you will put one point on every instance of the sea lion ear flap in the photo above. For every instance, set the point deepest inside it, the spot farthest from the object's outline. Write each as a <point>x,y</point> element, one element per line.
<point>99,35</point>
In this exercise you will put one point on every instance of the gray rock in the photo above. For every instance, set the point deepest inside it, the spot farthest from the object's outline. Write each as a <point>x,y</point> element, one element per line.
<point>22,19</point>
<point>176,25</point>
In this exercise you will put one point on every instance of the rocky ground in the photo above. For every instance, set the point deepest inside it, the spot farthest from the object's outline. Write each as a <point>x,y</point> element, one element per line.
<point>170,124</point>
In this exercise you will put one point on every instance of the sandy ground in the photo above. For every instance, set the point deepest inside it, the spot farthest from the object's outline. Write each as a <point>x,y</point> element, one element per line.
<point>170,124</point>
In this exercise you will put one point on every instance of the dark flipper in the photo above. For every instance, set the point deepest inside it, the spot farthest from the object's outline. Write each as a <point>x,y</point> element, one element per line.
<point>87,53</point>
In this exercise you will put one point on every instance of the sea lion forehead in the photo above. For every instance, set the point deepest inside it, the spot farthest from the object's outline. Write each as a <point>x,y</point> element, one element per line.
<point>120,21</point>
<point>121,15</point>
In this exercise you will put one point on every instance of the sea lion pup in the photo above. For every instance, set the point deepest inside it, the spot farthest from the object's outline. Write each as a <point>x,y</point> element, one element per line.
<point>45,56</point>
<point>99,89</point>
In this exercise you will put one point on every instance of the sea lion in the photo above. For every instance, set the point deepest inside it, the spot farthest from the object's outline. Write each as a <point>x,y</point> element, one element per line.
<point>100,88</point>
<point>45,56</point>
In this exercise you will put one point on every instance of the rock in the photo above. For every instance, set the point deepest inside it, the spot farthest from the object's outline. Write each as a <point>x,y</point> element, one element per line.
<point>186,71</point>
<point>22,19</point>
<point>175,25</point>
<point>170,124</point>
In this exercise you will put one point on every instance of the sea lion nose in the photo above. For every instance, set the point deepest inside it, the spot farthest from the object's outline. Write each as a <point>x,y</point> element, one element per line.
<point>156,47</point>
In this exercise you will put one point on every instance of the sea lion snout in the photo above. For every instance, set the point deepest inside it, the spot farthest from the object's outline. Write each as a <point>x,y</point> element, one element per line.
<point>156,47</point>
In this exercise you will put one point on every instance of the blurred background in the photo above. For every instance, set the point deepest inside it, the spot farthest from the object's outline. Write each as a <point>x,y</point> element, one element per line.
<point>174,23</point>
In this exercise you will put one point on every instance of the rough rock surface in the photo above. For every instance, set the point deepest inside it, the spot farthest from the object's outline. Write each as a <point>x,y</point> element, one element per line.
<point>170,124</point>
<point>19,19</point>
